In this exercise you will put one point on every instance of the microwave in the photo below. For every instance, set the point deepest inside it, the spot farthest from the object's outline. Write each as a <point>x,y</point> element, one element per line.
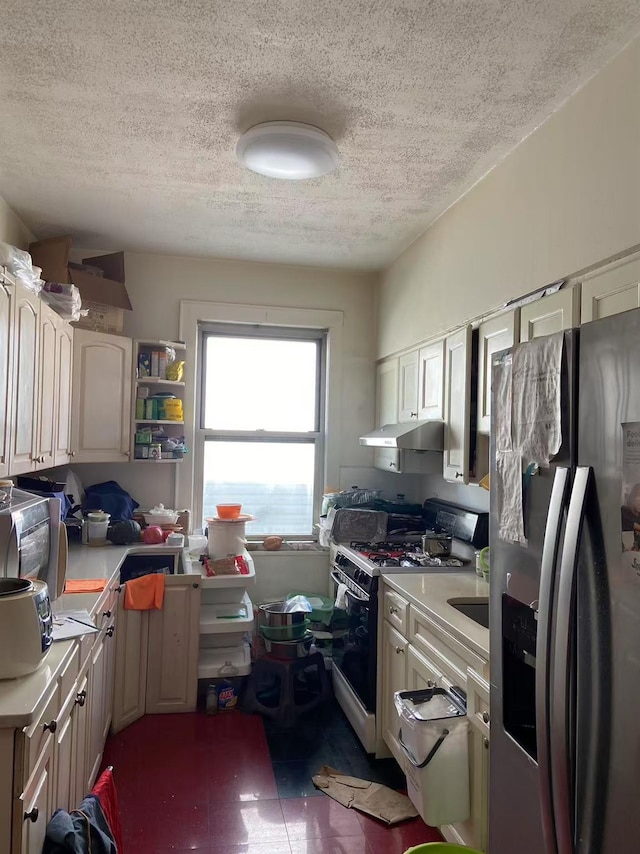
<point>33,542</point>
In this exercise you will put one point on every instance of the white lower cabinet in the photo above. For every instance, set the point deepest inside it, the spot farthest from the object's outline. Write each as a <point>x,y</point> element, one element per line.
<point>130,688</point>
<point>33,807</point>
<point>429,657</point>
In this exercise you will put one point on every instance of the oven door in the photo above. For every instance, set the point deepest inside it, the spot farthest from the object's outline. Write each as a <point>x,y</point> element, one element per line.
<point>354,653</point>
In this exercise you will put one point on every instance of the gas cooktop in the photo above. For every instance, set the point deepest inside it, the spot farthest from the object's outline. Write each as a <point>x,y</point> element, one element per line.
<point>397,557</point>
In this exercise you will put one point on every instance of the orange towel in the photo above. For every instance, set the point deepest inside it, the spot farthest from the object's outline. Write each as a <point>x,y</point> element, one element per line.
<point>85,585</point>
<point>145,593</point>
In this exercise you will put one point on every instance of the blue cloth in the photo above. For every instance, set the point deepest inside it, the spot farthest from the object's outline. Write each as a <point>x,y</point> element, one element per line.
<point>110,497</point>
<point>79,832</point>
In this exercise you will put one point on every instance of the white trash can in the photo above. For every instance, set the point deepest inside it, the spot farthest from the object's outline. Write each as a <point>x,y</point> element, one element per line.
<point>433,733</point>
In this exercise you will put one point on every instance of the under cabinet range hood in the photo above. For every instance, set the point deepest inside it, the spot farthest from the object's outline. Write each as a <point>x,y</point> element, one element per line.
<point>413,436</point>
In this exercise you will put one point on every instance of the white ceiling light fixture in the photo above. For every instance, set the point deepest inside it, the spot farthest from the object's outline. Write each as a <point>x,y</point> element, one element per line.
<point>292,151</point>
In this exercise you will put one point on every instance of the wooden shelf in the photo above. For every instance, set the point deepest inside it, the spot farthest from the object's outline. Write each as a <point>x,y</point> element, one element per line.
<point>177,345</point>
<point>158,381</point>
<point>151,421</point>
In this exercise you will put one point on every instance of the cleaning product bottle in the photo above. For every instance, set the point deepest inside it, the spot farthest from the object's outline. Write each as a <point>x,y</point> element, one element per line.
<point>228,688</point>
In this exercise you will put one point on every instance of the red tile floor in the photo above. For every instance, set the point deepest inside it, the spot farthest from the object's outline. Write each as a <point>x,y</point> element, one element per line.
<point>229,785</point>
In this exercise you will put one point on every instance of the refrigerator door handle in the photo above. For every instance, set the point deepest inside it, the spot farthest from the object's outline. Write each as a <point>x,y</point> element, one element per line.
<point>561,776</point>
<point>549,562</point>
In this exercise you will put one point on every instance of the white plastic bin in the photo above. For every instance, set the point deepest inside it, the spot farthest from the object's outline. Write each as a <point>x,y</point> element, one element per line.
<point>433,733</point>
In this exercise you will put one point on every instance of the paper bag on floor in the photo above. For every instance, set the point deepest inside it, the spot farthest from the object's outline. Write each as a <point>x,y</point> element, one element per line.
<point>372,798</point>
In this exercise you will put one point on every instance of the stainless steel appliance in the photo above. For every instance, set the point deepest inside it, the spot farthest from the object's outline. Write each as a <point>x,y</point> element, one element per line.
<point>565,618</point>
<point>33,541</point>
<point>26,626</point>
<point>358,567</point>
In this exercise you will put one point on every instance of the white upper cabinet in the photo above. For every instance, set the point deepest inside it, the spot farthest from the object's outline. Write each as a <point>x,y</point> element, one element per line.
<point>408,387</point>
<point>101,408</point>
<point>45,436</point>
<point>612,290</point>
<point>550,314</point>
<point>386,412</point>
<point>25,381</point>
<point>457,404</point>
<point>431,381</point>
<point>494,335</point>
<point>64,376</point>
<point>6,358</point>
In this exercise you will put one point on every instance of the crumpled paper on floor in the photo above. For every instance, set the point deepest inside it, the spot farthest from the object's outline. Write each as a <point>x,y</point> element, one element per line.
<point>374,799</point>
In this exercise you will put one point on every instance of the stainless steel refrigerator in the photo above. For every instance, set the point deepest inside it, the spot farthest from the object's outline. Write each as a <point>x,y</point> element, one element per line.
<point>565,619</point>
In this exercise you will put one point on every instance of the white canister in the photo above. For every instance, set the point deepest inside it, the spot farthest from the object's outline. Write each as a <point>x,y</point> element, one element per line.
<point>225,538</point>
<point>97,532</point>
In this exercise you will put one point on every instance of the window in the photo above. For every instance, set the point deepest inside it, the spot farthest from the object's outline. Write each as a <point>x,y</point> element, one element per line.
<point>261,410</point>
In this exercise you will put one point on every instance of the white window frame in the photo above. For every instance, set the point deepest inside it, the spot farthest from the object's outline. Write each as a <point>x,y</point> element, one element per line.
<point>311,437</point>
<point>196,313</point>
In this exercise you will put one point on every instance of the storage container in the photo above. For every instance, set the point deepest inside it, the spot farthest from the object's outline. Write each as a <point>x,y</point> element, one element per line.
<point>433,733</point>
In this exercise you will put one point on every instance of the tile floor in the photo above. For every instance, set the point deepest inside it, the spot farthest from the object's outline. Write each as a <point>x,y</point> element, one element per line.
<point>233,784</point>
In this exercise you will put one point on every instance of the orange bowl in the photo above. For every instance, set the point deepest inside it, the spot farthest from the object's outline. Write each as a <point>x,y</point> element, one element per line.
<point>228,511</point>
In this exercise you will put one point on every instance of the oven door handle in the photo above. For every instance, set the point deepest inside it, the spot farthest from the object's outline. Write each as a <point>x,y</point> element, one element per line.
<point>336,578</point>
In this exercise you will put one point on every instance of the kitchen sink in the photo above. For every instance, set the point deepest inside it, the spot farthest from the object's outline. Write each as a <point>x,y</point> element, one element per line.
<point>476,609</point>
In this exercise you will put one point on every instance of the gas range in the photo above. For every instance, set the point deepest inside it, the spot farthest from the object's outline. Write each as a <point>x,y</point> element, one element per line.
<point>363,561</point>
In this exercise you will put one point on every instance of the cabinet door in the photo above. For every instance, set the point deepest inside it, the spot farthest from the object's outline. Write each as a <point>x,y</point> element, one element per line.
<point>408,387</point>
<point>386,412</point>
<point>550,314</point>
<point>172,659</point>
<point>130,687</point>
<point>457,396</point>
<point>79,742</point>
<point>101,397</point>
<point>45,437</point>
<point>431,381</point>
<point>495,334</point>
<point>63,780</point>
<point>25,381</point>
<point>33,807</point>
<point>421,672</point>
<point>394,678</point>
<point>110,642</point>
<point>64,375</point>
<point>6,363</point>
<point>95,711</point>
<point>611,291</point>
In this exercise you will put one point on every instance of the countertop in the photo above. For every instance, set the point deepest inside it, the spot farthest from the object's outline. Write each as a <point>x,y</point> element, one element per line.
<point>430,592</point>
<point>22,699</point>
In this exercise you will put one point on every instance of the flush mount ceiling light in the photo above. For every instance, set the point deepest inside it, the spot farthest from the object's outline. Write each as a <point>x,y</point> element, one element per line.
<point>289,150</point>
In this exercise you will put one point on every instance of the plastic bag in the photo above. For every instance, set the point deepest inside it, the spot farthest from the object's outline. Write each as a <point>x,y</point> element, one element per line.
<point>19,264</point>
<point>65,300</point>
<point>297,603</point>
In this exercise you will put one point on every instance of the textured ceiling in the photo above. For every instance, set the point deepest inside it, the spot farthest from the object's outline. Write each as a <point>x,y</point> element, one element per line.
<point>119,119</point>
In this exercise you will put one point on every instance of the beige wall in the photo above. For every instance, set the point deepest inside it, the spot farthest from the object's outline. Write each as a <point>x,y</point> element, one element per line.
<point>12,229</point>
<point>567,198</point>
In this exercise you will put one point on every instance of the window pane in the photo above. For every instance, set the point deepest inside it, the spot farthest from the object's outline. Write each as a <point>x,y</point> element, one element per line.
<point>260,384</point>
<point>272,480</point>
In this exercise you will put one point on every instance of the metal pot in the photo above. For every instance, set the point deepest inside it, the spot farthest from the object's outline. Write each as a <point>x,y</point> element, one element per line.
<point>275,616</point>
<point>289,650</point>
<point>437,543</point>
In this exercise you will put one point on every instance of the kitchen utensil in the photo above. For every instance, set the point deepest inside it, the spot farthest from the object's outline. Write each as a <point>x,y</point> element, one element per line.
<point>437,543</point>
<point>274,615</point>
<point>25,626</point>
<point>365,526</point>
<point>289,650</point>
<point>228,511</point>
<point>160,515</point>
<point>285,633</point>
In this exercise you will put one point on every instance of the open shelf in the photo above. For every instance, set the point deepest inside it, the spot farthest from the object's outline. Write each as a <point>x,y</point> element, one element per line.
<point>177,345</point>
<point>158,381</point>
<point>155,462</point>
<point>149,421</point>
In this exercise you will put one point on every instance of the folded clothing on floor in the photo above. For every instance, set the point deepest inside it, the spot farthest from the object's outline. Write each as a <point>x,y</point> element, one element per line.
<point>145,593</point>
<point>85,585</point>
<point>84,829</point>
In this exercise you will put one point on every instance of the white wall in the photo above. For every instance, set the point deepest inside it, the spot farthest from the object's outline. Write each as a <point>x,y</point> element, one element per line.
<point>566,199</point>
<point>12,229</point>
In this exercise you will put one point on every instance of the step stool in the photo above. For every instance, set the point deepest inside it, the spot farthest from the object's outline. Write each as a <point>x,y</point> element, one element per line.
<point>288,680</point>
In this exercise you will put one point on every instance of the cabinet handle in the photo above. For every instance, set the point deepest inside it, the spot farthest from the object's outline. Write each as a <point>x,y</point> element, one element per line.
<point>106,614</point>
<point>110,631</point>
<point>485,742</point>
<point>485,717</point>
<point>52,726</point>
<point>72,453</point>
<point>392,465</point>
<point>81,698</point>
<point>393,610</point>
<point>32,816</point>
<point>459,474</point>
<point>118,589</point>
<point>399,649</point>
<point>413,415</point>
<point>195,586</point>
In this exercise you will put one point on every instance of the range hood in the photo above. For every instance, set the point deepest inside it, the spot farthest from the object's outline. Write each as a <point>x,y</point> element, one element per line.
<point>413,436</point>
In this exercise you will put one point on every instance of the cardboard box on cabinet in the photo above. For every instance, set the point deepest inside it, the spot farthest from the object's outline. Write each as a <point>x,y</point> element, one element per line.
<point>105,296</point>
